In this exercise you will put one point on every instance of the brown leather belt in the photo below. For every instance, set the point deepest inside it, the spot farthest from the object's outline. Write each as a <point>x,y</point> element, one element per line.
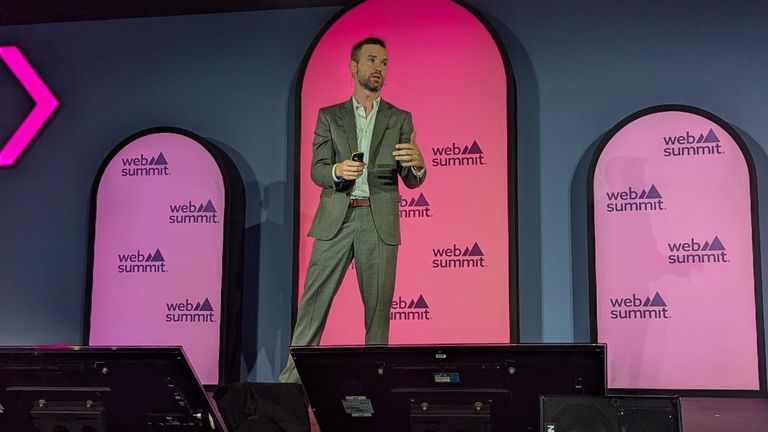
<point>359,202</point>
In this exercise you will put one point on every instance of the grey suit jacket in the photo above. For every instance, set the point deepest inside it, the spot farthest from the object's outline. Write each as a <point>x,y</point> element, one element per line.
<point>335,140</point>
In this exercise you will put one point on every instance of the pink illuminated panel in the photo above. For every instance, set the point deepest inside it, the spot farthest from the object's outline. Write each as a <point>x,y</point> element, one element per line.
<point>674,263</point>
<point>45,104</point>
<point>157,264</point>
<point>453,266</point>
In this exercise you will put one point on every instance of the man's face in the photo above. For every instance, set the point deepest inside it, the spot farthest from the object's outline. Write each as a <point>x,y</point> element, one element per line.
<point>371,68</point>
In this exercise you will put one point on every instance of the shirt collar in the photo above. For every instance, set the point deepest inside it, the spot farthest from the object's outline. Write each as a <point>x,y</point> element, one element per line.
<point>359,108</point>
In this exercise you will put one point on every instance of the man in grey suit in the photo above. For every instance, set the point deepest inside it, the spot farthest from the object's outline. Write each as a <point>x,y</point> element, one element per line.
<point>358,216</point>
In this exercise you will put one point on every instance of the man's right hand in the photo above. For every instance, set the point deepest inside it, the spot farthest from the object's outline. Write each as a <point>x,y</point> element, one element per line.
<point>349,169</point>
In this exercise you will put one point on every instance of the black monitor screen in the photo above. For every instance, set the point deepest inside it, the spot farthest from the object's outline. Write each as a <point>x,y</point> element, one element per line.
<point>101,389</point>
<point>443,388</point>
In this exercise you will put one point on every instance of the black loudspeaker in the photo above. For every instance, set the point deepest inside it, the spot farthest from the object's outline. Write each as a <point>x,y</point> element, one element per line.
<point>610,414</point>
<point>263,407</point>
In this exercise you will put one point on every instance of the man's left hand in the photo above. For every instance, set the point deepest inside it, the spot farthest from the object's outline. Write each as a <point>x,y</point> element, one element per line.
<point>408,154</point>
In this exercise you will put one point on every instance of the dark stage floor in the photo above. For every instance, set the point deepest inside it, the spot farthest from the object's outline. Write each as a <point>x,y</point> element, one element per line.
<point>724,414</point>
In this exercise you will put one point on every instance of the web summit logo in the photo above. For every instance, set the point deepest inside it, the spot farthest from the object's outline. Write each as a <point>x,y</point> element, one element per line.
<point>696,252</point>
<point>631,200</point>
<point>414,310</point>
<point>191,213</point>
<point>454,155</point>
<point>415,208</point>
<point>141,263</point>
<point>142,166</point>
<point>690,145</point>
<point>187,312</point>
<point>636,308</point>
<point>456,257</point>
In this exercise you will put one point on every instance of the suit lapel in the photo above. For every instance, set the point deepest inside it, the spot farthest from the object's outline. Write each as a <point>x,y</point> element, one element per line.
<point>347,114</point>
<point>382,120</point>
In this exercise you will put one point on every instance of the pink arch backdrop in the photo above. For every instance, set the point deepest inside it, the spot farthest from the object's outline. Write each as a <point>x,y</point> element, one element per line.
<point>674,255</point>
<point>453,269</point>
<point>157,278</point>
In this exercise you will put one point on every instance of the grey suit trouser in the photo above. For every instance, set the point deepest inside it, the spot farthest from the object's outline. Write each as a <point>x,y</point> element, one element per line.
<point>375,263</point>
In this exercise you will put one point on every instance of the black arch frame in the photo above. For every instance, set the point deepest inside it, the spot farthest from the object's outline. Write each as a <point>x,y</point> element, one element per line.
<point>514,315</point>
<point>763,391</point>
<point>230,327</point>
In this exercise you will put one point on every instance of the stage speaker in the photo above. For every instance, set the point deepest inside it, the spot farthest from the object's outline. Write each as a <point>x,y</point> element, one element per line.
<point>263,407</point>
<point>610,414</point>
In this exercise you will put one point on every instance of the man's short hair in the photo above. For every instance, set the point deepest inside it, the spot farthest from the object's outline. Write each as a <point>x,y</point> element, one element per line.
<point>372,40</point>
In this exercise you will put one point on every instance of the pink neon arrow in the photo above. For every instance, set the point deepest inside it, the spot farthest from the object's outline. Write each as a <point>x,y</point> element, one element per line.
<point>45,104</point>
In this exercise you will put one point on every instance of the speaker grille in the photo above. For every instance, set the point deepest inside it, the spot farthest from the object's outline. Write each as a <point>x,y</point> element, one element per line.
<point>610,414</point>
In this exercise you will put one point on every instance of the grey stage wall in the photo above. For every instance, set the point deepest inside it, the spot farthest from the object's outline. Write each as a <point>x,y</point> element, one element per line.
<point>580,68</point>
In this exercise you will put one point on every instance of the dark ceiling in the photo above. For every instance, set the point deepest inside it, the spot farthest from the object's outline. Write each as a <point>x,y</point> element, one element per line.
<point>13,12</point>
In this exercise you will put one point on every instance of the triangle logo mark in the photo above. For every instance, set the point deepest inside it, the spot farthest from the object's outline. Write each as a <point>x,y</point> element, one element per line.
<point>653,193</point>
<point>421,201</point>
<point>157,257</point>
<point>657,301</point>
<point>209,208</point>
<point>206,306</point>
<point>475,149</point>
<point>476,251</point>
<point>711,137</point>
<point>716,245</point>
<point>161,160</point>
<point>421,303</point>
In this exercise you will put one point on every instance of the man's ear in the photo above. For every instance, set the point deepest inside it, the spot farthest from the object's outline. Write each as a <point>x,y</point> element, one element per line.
<point>352,66</point>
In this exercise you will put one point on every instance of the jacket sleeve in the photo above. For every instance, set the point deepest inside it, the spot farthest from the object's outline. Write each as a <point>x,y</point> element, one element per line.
<point>324,156</point>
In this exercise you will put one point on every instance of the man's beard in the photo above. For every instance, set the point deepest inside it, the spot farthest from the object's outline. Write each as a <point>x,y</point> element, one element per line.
<point>371,86</point>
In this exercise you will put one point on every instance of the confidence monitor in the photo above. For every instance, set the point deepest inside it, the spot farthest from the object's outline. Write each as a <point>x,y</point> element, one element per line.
<point>469,388</point>
<point>86,389</point>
